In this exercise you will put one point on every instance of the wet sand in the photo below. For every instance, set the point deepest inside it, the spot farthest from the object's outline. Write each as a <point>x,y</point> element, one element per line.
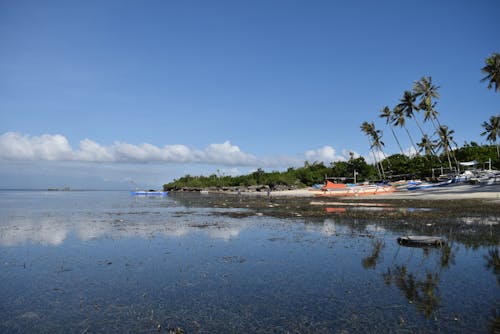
<point>418,206</point>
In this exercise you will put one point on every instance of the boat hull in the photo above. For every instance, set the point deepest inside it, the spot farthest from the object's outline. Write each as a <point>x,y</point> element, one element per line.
<point>358,191</point>
<point>149,193</point>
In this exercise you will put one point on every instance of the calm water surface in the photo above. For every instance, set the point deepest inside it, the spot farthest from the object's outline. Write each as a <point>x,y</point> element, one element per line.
<point>88,262</point>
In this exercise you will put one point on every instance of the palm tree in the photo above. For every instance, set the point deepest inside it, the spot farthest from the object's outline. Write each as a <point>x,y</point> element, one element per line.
<point>426,145</point>
<point>492,129</point>
<point>445,140</point>
<point>387,114</point>
<point>409,107</point>
<point>379,145</point>
<point>426,91</point>
<point>367,128</point>
<point>492,71</point>
<point>377,139</point>
<point>374,138</point>
<point>399,119</point>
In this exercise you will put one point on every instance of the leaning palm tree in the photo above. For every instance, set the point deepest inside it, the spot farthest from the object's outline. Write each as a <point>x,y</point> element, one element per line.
<point>374,140</point>
<point>399,119</point>
<point>377,140</point>
<point>426,91</point>
<point>408,106</point>
<point>492,129</point>
<point>379,145</point>
<point>445,141</point>
<point>492,71</point>
<point>386,113</point>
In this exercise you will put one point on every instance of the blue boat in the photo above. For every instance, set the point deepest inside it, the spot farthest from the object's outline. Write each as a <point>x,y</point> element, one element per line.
<point>149,193</point>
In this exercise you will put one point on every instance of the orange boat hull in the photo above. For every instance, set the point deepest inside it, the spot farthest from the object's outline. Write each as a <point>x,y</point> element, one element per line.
<point>358,191</point>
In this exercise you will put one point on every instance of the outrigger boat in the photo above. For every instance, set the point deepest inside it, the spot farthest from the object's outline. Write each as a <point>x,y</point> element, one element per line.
<point>473,175</point>
<point>341,189</point>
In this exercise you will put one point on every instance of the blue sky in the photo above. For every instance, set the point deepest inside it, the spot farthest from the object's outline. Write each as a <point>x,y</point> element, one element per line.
<point>98,93</point>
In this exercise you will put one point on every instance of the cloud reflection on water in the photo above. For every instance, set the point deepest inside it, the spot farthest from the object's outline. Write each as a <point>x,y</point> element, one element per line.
<point>53,231</point>
<point>45,231</point>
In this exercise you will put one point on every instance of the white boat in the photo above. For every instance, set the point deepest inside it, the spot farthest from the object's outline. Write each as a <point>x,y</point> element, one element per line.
<point>426,185</point>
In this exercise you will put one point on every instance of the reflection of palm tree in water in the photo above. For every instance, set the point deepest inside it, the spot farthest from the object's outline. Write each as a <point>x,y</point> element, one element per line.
<point>424,293</point>
<point>495,321</point>
<point>447,256</point>
<point>493,264</point>
<point>371,260</point>
<point>421,290</point>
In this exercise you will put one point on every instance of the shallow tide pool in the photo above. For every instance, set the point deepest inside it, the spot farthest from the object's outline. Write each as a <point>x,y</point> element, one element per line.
<point>90,262</point>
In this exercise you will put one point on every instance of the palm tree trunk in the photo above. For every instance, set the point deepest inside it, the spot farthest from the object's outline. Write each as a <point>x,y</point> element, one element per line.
<point>454,156</point>
<point>437,120</point>
<point>376,162</point>
<point>388,161</point>
<point>436,129</point>
<point>448,155</point>
<point>411,140</point>
<point>382,168</point>
<point>455,159</point>
<point>418,125</point>
<point>397,141</point>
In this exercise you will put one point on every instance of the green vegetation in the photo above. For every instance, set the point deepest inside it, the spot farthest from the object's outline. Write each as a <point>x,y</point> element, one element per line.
<point>309,174</point>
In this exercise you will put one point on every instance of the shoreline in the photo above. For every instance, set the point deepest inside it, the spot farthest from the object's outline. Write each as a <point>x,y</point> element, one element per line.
<point>450,192</point>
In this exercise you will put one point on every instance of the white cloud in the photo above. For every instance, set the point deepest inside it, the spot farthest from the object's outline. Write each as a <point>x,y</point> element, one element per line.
<point>324,154</point>
<point>226,154</point>
<point>92,151</point>
<point>22,147</point>
<point>19,147</point>
<point>15,146</point>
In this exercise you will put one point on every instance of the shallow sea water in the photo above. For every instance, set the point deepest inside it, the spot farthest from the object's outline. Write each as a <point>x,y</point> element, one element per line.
<point>100,262</point>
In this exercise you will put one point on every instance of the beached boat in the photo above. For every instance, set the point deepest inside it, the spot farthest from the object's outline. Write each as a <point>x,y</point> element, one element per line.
<point>341,189</point>
<point>149,193</point>
<point>428,185</point>
<point>471,176</point>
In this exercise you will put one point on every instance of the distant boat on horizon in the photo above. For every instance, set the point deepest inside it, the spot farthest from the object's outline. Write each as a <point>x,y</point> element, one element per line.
<point>59,189</point>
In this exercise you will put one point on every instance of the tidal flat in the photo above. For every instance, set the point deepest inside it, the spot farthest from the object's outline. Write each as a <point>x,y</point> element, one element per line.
<point>103,261</point>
